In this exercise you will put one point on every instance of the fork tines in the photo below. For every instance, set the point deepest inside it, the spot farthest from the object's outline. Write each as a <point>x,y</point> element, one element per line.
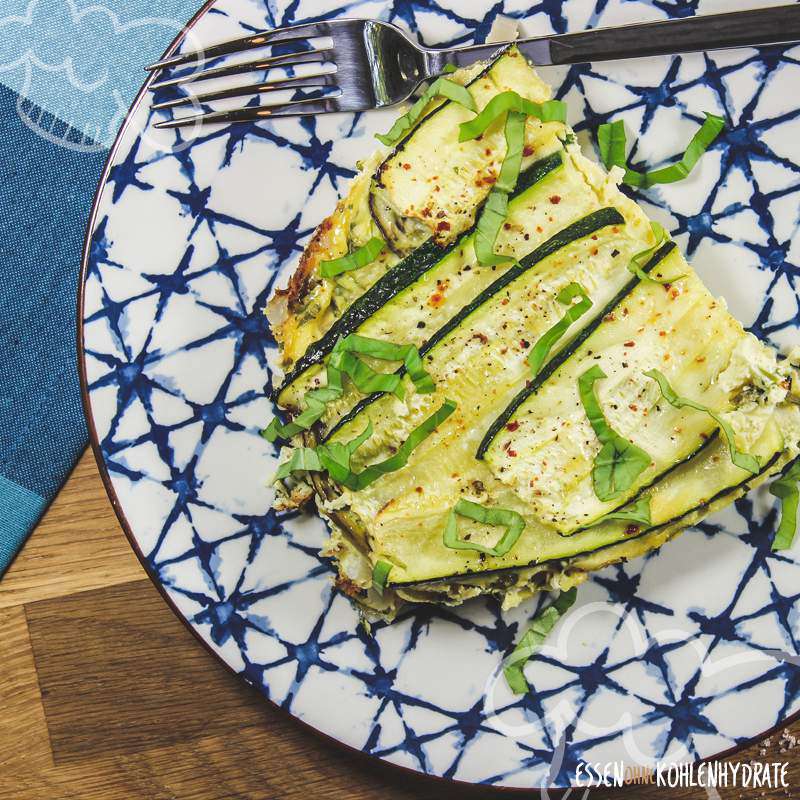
<point>295,36</point>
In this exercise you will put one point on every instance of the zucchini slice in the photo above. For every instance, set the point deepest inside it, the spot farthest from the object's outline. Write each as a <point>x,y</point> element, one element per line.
<point>432,184</point>
<point>549,456</point>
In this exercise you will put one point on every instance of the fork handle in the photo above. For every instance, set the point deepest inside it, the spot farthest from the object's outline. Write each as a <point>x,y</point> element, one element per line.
<point>763,26</point>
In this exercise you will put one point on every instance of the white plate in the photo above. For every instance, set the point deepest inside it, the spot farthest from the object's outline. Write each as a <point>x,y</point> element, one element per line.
<point>681,655</point>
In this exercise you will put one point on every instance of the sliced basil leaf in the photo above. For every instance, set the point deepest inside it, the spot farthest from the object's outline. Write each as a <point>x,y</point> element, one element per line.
<point>364,255</point>
<point>495,209</point>
<point>742,460</point>
<point>441,87</point>
<point>549,111</point>
<point>619,462</point>
<point>533,639</point>
<point>786,489</point>
<point>493,215</point>
<point>638,512</point>
<point>387,351</point>
<point>343,361</point>
<point>400,458</point>
<point>380,574</point>
<point>303,459</point>
<point>612,141</point>
<point>513,522</point>
<point>335,456</point>
<point>637,263</point>
<point>542,348</point>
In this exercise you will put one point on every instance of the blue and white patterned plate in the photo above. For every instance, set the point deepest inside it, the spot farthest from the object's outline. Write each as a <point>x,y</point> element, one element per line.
<point>682,655</point>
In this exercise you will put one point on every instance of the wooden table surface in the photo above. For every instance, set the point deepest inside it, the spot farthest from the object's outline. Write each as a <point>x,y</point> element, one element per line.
<point>105,695</point>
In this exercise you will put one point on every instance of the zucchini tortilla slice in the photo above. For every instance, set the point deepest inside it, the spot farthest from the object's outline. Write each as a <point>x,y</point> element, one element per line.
<point>519,445</point>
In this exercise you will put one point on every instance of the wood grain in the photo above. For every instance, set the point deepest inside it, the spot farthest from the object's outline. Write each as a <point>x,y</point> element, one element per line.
<point>104,695</point>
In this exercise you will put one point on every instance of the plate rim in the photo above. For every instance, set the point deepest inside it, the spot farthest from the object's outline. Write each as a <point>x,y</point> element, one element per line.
<point>94,442</point>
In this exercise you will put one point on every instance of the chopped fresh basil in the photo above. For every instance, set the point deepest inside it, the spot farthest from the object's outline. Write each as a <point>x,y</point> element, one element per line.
<point>380,574</point>
<point>493,215</point>
<point>441,87</point>
<point>786,489</point>
<point>533,639</point>
<point>638,262</point>
<point>549,111</point>
<point>303,459</point>
<point>364,255</point>
<point>400,458</point>
<point>513,522</point>
<point>742,460</point>
<point>334,457</point>
<point>638,512</point>
<point>342,361</point>
<point>612,142</point>
<point>575,311</point>
<point>619,462</point>
<point>495,209</point>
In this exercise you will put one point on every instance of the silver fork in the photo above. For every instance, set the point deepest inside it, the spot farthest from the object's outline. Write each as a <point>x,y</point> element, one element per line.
<point>375,64</point>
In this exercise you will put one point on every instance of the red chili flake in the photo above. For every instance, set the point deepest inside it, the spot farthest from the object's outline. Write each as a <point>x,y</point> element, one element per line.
<point>674,293</point>
<point>481,337</point>
<point>594,237</point>
<point>512,453</point>
<point>504,301</point>
<point>435,299</point>
<point>594,251</point>
<point>609,317</point>
<point>633,407</point>
<point>524,343</point>
<point>419,490</point>
<point>632,529</point>
<point>662,333</point>
<point>667,286</point>
<point>406,166</point>
<point>512,426</point>
<point>629,344</point>
<point>444,225</point>
<point>527,150</point>
<point>555,199</point>
<point>539,229</point>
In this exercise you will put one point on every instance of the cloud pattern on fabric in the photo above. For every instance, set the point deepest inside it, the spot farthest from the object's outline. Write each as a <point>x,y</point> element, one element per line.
<point>80,64</point>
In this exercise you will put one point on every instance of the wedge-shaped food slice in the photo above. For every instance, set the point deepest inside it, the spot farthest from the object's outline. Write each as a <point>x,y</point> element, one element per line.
<point>547,450</point>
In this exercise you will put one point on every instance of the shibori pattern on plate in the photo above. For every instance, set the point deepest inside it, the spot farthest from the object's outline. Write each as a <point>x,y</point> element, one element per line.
<point>681,655</point>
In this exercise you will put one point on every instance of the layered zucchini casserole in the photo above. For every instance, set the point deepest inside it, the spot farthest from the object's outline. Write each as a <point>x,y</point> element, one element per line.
<point>499,375</point>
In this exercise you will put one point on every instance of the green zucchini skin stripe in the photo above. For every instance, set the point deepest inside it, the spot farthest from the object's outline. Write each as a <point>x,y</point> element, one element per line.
<point>402,275</point>
<point>699,507</point>
<point>533,386</point>
<point>590,224</point>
